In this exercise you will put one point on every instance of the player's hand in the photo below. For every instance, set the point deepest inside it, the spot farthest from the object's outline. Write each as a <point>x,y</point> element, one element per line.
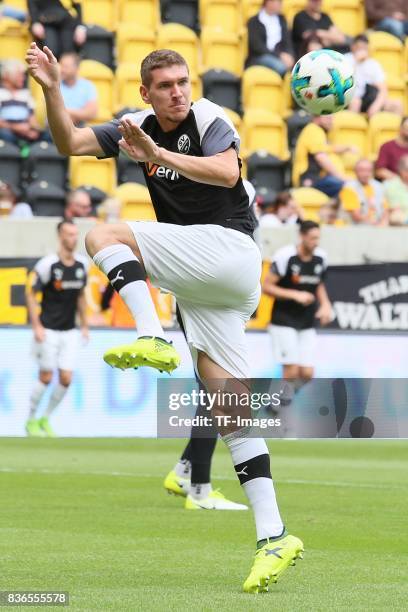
<point>43,66</point>
<point>136,143</point>
<point>85,335</point>
<point>324,314</point>
<point>38,30</point>
<point>305,298</point>
<point>39,333</point>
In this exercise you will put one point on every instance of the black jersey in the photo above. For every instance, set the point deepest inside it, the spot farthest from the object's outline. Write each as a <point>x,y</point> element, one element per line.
<point>206,131</point>
<point>60,286</point>
<point>295,273</point>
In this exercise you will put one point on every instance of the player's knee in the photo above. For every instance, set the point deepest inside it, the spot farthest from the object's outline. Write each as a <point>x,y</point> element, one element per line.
<point>65,378</point>
<point>97,238</point>
<point>45,377</point>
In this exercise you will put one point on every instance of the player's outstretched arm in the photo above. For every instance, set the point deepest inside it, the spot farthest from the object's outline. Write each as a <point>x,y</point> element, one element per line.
<point>69,140</point>
<point>221,169</point>
<point>270,287</point>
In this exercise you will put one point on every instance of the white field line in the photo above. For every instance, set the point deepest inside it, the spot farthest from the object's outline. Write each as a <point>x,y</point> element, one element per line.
<point>298,481</point>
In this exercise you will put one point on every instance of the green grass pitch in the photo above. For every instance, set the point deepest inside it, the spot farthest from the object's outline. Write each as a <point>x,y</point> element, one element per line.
<point>91,517</point>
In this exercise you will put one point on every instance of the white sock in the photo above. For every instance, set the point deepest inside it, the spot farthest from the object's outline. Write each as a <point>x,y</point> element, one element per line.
<point>35,397</point>
<point>183,468</point>
<point>135,293</point>
<point>259,489</point>
<point>56,397</point>
<point>200,491</point>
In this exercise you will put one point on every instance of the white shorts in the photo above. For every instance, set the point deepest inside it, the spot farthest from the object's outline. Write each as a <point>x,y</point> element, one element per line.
<point>58,350</point>
<point>292,346</point>
<point>214,274</point>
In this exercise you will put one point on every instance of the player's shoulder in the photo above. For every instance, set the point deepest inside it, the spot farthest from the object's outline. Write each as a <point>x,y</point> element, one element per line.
<point>83,260</point>
<point>282,257</point>
<point>47,261</point>
<point>320,254</point>
<point>206,112</point>
<point>139,117</point>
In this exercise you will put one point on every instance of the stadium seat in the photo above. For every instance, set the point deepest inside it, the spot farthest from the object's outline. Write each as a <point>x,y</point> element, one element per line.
<point>129,171</point>
<point>225,14</point>
<point>196,87</point>
<point>235,118</point>
<point>10,163</point>
<point>134,42</point>
<point>381,128</point>
<point>350,128</point>
<point>222,50</point>
<point>348,15</point>
<point>262,88</point>
<point>184,12</point>
<point>99,12</point>
<point>99,45</point>
<point>397,90</point>
<point>102,77</point>
<point>46,164</point>
<point>181,39</point>
<point>291,7</point>
<point>128,82</point>
<point>14,39</point>
<point>136,202</point>
<point>310,200</point>
<point>97,195</point>
<point>88,170</point>
<point>46,199</point>
<point>40,110</point>
<point>250,8</point>
<point>265,131</point>
<point>389,51</point>
<point>223,88</point>
<point>141,12</point>
<point>266,171</point>
<point>295,124</point>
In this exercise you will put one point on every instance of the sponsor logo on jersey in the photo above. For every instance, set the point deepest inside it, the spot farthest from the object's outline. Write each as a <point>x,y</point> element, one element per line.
<point>162,172</point>
<point>60,285</point>
<point>183,144</point>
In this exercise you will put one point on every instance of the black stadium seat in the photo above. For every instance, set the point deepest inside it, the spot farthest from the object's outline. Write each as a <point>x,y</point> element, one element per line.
<point>295,123</point>
<point>180,11</point>
<point>266,170</point>
<point>129,171</point>
<point>10,163</point>
<point>46,199</point>
<point>99,46</point>
<point>97,195</point>
<point>223,88</point>
<point>46,164</point>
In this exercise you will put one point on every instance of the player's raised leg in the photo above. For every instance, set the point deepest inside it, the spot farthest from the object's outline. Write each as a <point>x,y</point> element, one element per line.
<point>276,550</point>
<point>115,251</point>
<point>37,392</point>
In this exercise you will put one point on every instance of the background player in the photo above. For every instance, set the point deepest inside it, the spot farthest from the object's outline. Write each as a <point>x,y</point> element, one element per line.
<point>61,277</point>
<point>296,281</point>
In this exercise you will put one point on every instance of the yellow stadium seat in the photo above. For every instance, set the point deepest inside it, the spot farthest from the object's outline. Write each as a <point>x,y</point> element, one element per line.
<point>266,131</point>
<point>381,128</point>
<point>348,15</point>
<point>310,200</point>
<point>128,83</point>
<point>225,14</point>
<point>14,39</point>
<point>291,7</point>
<point>88,170</point>
<point>134,42</point>
<point>40,111</point>
<point>250,8</point>
<point>102,77</point>
<point>389,51</point>
<point>141,12</point>
<point>262,88</point>
<point>181,39</point>
<point>350,128</point>
<point>18,4</point>
<point>397,90</point>
<point>196,87</point>
<point>136,202</point>
<point>222,50</point>
<point>235,118</point>
<point>99,12</point>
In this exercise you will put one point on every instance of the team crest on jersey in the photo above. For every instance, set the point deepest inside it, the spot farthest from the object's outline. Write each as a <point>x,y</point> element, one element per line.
<point>58,273</point>
<point>183,144</point>
<point>79,273</point>
<point>318,269</point>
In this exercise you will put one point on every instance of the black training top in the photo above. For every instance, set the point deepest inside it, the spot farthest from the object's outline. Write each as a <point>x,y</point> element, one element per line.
<point>206,131</point>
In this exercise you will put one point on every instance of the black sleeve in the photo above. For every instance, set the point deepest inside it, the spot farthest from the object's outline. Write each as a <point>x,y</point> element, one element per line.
<point>256,37</point>
<point>219,137</point>
<point>299,26</point>
<point>106,297</point>
<point>33,10</point>
<point>274,269</point>
<point>108,136</point>
<point>326,22</point>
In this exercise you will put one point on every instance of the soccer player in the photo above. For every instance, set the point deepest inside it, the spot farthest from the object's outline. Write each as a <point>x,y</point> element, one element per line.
<point>201,250</point>
<point>61,277</point>
<point>296,281</point>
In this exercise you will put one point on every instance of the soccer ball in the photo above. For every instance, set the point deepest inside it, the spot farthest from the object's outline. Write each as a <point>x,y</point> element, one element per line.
<point>323,82</point>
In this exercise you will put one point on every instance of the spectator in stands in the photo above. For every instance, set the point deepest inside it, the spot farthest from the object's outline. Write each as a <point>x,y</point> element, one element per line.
<point>312,21</point>
<point>396,192</point>
<point>80,96</point>
<point>9,206</point>
<point>363,197</point>
<point>283,211</point>
<point>78,204</point>
<point>388,16</point>
<point>316,162</point>
<point>269,42</point>
<point>313,43</point>
<point>17,121</point>
<point>57,24</point>
<point>371,95</point>
<point>391,152</point>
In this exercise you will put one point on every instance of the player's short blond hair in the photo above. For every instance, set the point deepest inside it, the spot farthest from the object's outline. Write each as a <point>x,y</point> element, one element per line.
<point>163,58</point>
